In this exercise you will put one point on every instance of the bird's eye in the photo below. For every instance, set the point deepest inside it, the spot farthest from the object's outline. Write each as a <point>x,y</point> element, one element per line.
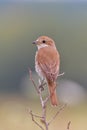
<point>44,41</point>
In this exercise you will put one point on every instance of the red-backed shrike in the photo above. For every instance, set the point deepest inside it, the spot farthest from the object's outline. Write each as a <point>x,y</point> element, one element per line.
<point>47,62</point>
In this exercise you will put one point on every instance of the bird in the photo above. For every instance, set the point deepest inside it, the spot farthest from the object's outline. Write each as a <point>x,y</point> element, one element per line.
<point>47,64</point>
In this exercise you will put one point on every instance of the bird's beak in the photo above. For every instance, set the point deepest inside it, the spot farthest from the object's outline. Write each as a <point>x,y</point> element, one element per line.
<point>34,42</point>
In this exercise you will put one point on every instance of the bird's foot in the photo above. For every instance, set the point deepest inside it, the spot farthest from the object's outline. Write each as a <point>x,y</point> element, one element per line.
<point>42,83</point>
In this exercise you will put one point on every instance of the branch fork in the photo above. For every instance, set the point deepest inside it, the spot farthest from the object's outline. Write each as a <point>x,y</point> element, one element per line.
<point>43,103</point>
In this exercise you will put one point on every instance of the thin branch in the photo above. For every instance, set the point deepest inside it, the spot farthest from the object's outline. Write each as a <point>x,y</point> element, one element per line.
<point>43,105</point>
<point>61,74</point>
<point>46,100</point>
<point>29,111</point>
<point>35,121</point>
<point>30,72</point>
<point>56,114</point>
<point>68,125</point>
<point>37,116</point>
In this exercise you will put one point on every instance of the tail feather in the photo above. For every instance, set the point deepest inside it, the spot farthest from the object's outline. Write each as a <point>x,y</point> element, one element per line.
<point>53,95</point>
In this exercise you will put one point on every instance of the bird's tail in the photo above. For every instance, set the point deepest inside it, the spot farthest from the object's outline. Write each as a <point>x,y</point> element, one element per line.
<point>53,95</point>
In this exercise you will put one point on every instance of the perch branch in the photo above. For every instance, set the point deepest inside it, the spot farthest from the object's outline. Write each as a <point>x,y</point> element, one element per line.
<point>43,104</point>
<point>30,72</point>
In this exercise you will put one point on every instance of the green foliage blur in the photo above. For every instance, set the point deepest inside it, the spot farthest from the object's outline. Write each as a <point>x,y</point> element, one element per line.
<point>21,23</point>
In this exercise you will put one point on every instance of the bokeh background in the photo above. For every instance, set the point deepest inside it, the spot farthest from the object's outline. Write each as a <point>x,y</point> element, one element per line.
<point>21,22</point>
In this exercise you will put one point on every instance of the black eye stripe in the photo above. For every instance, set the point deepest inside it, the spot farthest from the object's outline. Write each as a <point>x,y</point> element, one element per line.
<point>43,41</point>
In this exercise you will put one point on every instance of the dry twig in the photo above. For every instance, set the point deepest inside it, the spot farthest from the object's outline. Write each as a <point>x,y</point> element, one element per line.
<point>43,105</point>
<point>68,125</point>
<point>52,119</point>
<point>61,74</point>
<point>35,121</point>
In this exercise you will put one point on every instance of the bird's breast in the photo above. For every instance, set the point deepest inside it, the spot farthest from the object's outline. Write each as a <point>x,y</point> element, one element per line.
<point>37,68</point>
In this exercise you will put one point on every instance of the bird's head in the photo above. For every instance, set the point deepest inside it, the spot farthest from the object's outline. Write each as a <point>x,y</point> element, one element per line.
<point>44,41</point>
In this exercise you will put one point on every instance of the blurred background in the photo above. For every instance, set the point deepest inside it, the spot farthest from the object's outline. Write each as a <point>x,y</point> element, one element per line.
<point>22,22</point>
